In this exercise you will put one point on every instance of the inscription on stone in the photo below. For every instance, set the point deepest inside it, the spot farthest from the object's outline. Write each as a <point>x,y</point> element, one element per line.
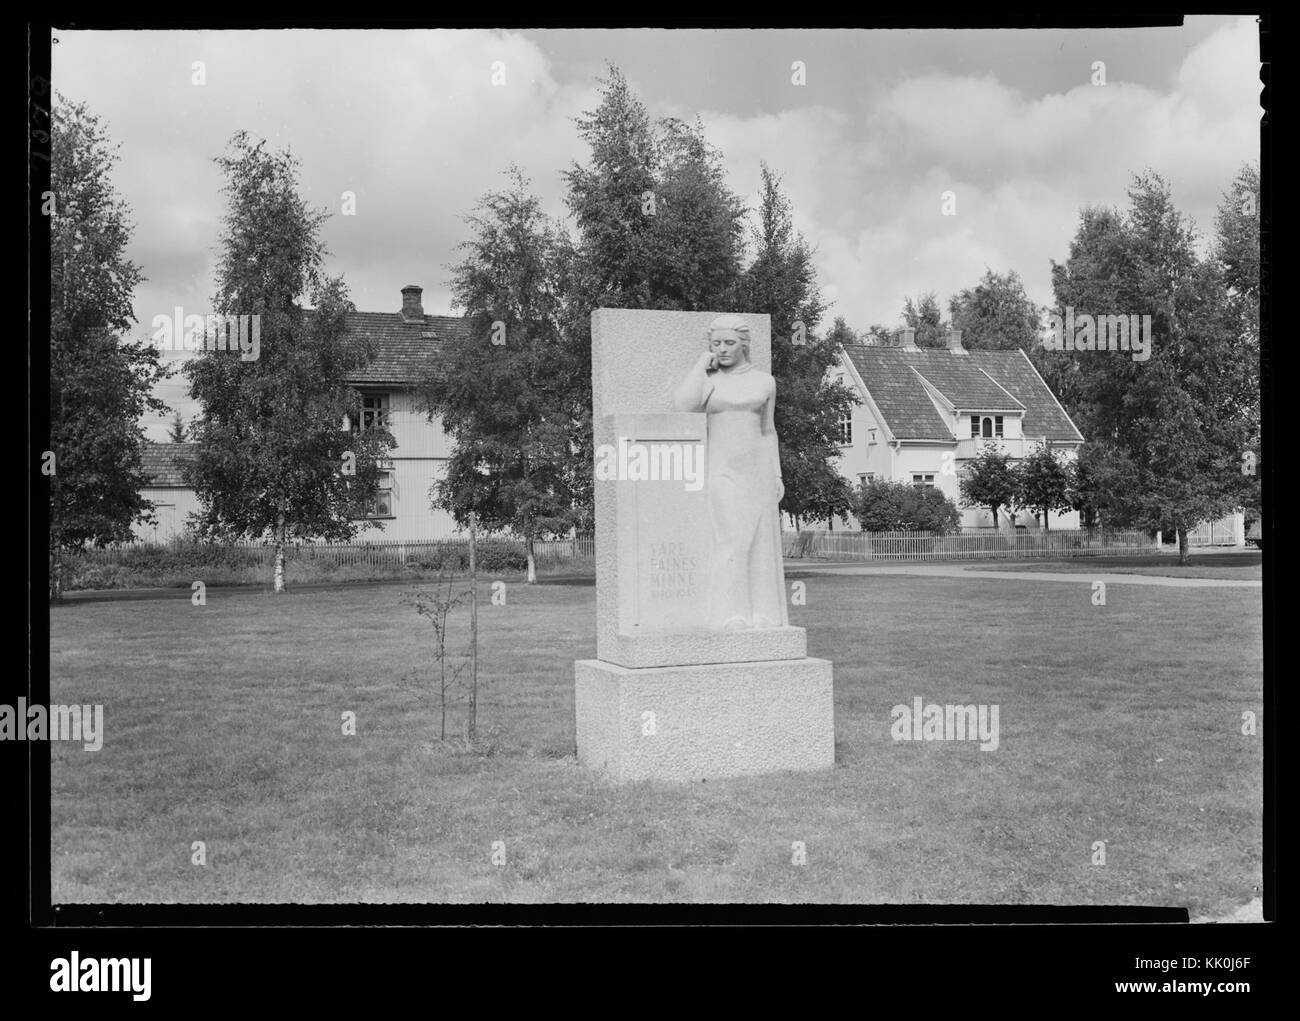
<point>673,571</point>
<point>666,558</point>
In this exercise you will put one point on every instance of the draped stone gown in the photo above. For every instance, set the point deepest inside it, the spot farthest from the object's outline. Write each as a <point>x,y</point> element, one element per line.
<point>746,577</point>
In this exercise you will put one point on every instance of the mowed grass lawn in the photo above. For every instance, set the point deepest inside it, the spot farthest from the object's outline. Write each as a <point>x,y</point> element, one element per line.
<point>1246,565</point>
<point>1120,724</point>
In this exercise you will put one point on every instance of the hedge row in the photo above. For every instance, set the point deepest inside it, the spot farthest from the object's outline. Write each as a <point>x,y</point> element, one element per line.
<point>152,566</point>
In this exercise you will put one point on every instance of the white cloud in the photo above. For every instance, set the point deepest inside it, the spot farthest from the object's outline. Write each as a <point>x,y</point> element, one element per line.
<point>411,122</point>
<point>1022,168</point>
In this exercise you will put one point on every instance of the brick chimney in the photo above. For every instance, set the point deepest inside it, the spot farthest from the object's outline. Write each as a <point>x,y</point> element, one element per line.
<point>954,342</point>
<point>909,340</point>
<point>412,310</point>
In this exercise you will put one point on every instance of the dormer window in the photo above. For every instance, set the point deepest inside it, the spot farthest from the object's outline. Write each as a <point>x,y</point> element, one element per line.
<point>986,427</point>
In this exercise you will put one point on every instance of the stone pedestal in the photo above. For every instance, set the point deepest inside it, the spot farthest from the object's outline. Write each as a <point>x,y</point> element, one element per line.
<point>699,722</point>
<point>667,699</point>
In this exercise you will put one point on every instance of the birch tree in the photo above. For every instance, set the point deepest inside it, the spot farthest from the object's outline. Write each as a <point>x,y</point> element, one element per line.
<point>273,460</point>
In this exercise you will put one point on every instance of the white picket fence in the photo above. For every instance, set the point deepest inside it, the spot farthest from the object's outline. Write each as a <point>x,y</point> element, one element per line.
<point>808,544</point>
<point>983,545</point>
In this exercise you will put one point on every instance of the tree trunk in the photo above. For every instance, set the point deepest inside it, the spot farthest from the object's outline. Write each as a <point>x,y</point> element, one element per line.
<point>442,689</point>
<point>1182,546</point>
<point>472,730</point>
<point>1047,525</point>
<point>532,563</point>
<point>995,517</point>
<point>279,555</point>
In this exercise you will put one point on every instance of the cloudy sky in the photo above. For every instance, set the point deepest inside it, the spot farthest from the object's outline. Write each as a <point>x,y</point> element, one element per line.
<point>1011,122</point>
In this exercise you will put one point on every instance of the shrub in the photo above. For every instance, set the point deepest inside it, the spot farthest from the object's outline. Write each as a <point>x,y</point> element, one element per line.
<point>81,575</point>
<point>186,556</point>
<point>501,555</point>
<point>448,556</point>
<point>493,555</point>
<point>179,563</point>
<point>882,506</point>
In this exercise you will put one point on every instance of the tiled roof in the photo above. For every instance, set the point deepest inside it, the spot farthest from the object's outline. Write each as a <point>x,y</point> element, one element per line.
<point>162,462</point>
<point>893,377</point>
<point>908,411</point>
<point>402,352</point>
<point>1015,373</point>
<point>963,384</point>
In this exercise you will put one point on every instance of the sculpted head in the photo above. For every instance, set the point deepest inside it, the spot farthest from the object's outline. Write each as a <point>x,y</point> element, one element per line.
<point>728,337</point>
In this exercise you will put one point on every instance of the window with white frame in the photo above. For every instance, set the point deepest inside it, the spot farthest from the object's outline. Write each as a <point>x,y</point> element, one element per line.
<point>846,429</point>
<point>374,411</point>
<point>381,504</point>
<point>923,478</point>
<point>987,427</point>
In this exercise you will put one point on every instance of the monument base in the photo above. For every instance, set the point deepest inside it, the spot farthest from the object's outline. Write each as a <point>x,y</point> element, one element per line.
<point>699,646</point>
<point>699,722</point>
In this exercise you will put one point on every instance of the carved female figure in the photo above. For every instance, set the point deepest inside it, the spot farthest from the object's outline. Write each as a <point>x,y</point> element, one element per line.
<point>742,482</point>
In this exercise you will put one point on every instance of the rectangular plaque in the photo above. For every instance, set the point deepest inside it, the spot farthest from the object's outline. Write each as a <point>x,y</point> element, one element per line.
<point>663,535</point>
<point>669,560</point>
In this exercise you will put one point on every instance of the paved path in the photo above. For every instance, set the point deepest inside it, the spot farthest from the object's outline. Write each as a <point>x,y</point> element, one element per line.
<point>954,571</point>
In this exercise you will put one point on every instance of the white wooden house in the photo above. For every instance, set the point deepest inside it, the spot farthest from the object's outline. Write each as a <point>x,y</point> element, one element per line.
<point>926,413</point>
<point>405,345</point>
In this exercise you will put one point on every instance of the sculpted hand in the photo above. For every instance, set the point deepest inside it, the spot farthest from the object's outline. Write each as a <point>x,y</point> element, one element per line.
<point>708,361</point>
